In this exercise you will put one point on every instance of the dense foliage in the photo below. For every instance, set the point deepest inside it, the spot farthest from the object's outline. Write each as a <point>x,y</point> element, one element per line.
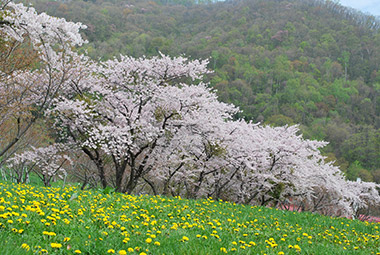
<point>36,220</point>
<point>312,62</point>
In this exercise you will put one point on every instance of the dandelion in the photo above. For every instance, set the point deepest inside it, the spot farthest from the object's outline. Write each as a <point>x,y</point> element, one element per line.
<point>49,233</point>
<point>25,246</point>
<point>56,245</point>
<point>122,252</point>
<point>77,252</point>
<point>148,240</point>
<point>111,251</point>
<point>157,243</point>
<point>130,250</point>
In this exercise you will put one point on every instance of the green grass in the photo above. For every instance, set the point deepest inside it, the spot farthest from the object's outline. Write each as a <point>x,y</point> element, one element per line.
<point>93,222</point>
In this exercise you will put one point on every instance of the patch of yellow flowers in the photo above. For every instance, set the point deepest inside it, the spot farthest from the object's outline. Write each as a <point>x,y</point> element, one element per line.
<point>97,223</point>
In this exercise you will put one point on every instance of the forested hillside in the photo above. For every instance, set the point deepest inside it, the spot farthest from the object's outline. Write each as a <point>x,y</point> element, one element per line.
<point>310,62</point>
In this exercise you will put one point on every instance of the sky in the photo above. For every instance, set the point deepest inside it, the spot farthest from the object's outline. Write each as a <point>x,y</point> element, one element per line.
<point>370,6</point>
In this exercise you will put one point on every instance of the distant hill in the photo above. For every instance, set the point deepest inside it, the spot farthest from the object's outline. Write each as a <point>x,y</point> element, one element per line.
<point>311,62</point>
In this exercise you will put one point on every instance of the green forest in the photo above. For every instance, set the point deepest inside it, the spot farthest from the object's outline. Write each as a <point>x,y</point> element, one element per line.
<point>309,62</point>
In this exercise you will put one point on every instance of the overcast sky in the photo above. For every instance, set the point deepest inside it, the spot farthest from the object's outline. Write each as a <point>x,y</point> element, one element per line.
<point>370,6</point>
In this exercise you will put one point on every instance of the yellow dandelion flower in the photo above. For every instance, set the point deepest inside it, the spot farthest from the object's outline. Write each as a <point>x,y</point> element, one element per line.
<point>130,250</point>
<point>122,252</point>
<point>25,246</point>
<point>56,245</point>
<point>77,251</point>
<point>297,247</point>
<point>157,243</point>
<point>111,251</point>
<point>148,240</point>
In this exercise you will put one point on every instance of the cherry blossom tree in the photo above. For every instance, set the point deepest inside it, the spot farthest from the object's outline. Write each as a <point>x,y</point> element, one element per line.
<point>250,163</point>
<point>27,91</point>
<point>47,162</point>
<point>132,108</point>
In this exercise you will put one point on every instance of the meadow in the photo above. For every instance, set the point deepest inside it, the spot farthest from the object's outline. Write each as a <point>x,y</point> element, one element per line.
<point>40,220</point>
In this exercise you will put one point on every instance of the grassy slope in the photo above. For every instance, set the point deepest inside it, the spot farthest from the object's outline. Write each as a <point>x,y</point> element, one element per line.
<point>96,222</point>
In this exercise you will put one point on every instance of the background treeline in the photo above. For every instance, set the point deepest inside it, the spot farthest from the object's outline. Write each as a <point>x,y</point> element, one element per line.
<point>311,62</point>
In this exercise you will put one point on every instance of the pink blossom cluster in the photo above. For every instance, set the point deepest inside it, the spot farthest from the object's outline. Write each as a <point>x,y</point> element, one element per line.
<point>47,162</point>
